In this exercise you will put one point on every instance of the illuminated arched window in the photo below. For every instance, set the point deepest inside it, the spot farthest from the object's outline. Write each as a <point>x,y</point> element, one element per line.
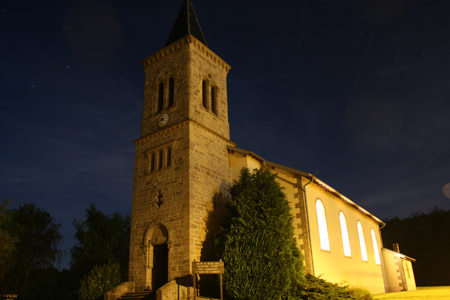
<point>375,247</point>
<point>362,243</point>
<point>344,231</point>
<point>322,223</point>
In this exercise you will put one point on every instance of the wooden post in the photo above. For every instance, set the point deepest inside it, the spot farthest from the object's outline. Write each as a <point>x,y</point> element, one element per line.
<point>221,288</point>
<point>195,286</point>
<point>195,281</point>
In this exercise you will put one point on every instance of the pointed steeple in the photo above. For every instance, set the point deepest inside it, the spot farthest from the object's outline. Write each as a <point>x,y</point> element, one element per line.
<point>186,23</point>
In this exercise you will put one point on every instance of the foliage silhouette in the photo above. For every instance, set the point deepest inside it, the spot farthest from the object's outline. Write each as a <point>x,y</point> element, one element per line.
<point>425,237</point>
<point>101,239</point>
<point>8,242</point>
<point>99,280</point>
<point>36,250</point>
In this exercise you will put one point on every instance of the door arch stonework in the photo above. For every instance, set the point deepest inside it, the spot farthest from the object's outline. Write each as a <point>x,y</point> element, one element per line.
<point>156,245</point>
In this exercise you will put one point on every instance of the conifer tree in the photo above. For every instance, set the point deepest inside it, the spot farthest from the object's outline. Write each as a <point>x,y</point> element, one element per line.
<point>260,254</point>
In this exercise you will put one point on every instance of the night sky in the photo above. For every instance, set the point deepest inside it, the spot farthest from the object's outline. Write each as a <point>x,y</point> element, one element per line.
<point>355,92</point>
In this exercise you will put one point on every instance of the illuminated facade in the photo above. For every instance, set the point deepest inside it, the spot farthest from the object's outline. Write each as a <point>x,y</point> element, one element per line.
<point>340,241</point>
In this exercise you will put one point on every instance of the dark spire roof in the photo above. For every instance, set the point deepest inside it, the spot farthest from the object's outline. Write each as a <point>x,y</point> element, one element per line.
<point>186,23</point>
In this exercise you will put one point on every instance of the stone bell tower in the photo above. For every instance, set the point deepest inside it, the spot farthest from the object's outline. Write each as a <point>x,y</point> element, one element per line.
<point>181,158</point>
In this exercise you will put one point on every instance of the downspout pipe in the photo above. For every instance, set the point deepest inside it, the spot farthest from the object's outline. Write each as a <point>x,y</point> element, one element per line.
<point>307,224</point>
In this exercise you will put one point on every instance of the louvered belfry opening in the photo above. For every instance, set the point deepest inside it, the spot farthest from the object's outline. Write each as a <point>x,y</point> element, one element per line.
<point>214,99</point>
<point>205,94</point>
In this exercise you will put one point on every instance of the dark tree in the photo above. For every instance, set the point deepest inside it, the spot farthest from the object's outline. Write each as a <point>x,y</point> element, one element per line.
<point>425,237</point>
<point>261,257</point>
<point>36,250</point>
<point>101,239</point>
<point>7,241</point>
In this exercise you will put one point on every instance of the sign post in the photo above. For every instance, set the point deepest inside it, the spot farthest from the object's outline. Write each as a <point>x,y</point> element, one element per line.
<point>208,267</point>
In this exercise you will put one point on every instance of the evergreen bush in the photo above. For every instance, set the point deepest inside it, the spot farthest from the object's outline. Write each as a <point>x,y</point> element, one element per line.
<point>261,257</point>
<point>316,288</point>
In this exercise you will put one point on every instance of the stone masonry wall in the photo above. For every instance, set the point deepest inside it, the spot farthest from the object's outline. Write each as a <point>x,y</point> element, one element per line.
<point>205,65</point>
<point>171,62</point>
<point>209,133</point>
<point>173,183</point>
<point>199,168</point>
<point>210,177</point>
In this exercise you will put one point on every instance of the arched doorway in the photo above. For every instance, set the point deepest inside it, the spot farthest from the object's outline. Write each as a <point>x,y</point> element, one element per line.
<point>157,269</point>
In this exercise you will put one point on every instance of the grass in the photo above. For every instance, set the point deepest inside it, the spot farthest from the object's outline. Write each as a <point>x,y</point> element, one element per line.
<point>433,292</point>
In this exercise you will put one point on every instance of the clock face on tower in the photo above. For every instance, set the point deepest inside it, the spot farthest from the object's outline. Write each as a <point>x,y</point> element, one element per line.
<point>163,119</point>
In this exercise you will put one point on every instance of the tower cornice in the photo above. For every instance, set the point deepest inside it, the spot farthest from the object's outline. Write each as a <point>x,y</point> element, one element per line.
<point>186,41</point>
<point>176,126</point>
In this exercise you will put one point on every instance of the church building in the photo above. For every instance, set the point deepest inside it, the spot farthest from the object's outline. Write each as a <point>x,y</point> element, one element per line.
<point>184,158</point>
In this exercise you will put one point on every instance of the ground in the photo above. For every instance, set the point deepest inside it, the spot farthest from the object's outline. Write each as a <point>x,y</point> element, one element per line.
<point>434,292</point>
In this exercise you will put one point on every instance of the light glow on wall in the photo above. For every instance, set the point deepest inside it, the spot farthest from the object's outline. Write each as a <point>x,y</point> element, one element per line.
<point>375,247</point>
<point>322,222</point>
<point>362,243</point>
<point>345,238</point>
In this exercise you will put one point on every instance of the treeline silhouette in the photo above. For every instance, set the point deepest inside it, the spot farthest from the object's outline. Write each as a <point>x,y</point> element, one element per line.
<point>425,237</point>
<point>30,253</point>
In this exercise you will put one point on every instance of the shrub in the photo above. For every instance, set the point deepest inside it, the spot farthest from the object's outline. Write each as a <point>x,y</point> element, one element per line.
<point>316,288</point>
<point>261,257</point>
<point>100,280</point>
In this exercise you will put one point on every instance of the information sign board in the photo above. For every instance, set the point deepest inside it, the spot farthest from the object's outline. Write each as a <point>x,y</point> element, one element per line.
<point>208,267</point>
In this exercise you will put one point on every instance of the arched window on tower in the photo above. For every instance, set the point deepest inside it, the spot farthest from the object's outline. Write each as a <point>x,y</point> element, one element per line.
<point>160,96</point>
<point>169,157</point>
<point>322,223</point>
<point>362,243</point>
<point>214,99</point>
<point>171,91</point>
<point>344,232</point>
<point>161,158</point>
<point>204,94</point>
<point>153,162</point>
<point>375,247</point>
